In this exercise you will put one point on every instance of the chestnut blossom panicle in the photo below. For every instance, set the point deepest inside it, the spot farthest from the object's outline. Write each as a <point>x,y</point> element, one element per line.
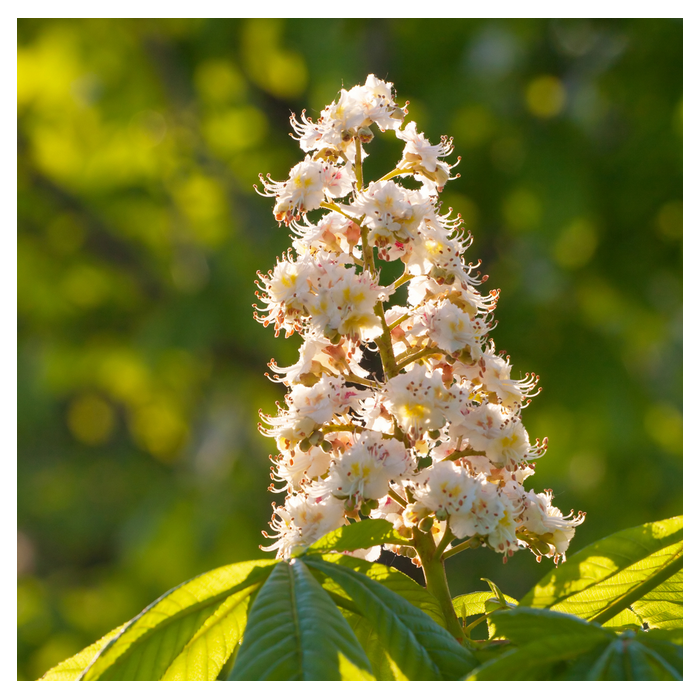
<point>399,410</point>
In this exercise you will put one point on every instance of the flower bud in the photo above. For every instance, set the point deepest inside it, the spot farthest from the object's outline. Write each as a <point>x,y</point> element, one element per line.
<point>365,133</point>
<point>426,525</point>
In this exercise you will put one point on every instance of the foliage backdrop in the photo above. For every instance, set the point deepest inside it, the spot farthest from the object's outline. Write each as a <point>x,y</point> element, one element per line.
<point>140,367</point>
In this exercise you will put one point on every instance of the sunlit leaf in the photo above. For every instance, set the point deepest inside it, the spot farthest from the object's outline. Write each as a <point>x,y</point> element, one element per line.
<point>392,579</point>
<point>70,669</point>
<point>542,639</point>
<point>471,604</point>
<point>383,666</point>
<point>148,644</point>
<point>628,658</point>
<point>420,648</point>
<point>206,653</point>
<point>662,607</point>
<point>295,632</point>
<point>362,535</point>
<point>610,575</point>
<point>549,645</point>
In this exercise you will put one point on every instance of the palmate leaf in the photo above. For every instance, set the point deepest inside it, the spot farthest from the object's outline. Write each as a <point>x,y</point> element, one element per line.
<point>295,632</point>
<point>383,666</point>
<point>481,604</point>
<point>70,669</point>
<point>609,576</point>
<point>662,607</point>
<point>155,639</point>
<point>392,579</point>
<point>420,648</point>
<point>361,535</point>
<point>627,658</point>
<point>211,646</point>
<point>548,645</point>
<point>471,604</point>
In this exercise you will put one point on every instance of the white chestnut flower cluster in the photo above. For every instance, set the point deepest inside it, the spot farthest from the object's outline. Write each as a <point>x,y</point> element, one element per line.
<point>402,411</point>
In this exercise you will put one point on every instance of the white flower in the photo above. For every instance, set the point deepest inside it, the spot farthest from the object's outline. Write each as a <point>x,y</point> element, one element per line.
<point>447,490</point>
<point>492,429</point>
<point>334,234</point>
<point>423,158</point>
<point>493,373</point>
<point>295,466</point>
<point>365,470</point>
<point>345,303</point>
<point>311,407</point>
<point>301,521</point>
<point>540,517</point>
<point>377,99</point>
<point>452,329</point>
<point>308,185</point>
<point>318,355</point>
<point>417,399</point>
<point>286,293</point>
<point>376,389</point>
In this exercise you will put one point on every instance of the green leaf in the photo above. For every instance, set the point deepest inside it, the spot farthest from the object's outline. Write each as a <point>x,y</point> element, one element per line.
<point>206,653</point>
<point>70,669</point>
<point>605,578</point>
<point>628,658</point>
<point>481,603</point>
<point>662,607</point>
<point>295,632</point>
<point>154,639</point>
<point>521,625</point>
<point>362,535</point>
<point>392,579</point>
<point>417,646</point>
<point>471,604</point>
<point>673,635</point>
<point>383,666</point>
<point>543,639</point>
<point>547,645</point>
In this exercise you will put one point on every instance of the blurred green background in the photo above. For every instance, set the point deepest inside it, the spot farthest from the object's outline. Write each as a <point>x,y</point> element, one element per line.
<point>140,367</point>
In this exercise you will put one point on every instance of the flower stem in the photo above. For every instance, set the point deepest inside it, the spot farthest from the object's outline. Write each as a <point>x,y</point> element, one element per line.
<point>334,207</point>
<point>406,277</point>
<point>358,163</point>
<point>436,580</point>
<point>418,356</point>
<point>394,173</point>
<point>468,544</point>
<point>395,497</point>
<point>386,350</point>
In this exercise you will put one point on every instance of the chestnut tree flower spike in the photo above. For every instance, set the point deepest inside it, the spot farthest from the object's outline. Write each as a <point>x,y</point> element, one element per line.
<point>435,443</point>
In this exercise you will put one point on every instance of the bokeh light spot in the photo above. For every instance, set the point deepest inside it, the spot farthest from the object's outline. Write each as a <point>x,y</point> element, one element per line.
<point>576,244</point>
<point>234,130</point>
<point>473,125</point>
<point>159,429</point>
<point>664,425</point>
<point>91,419</point>
<point>545,96</point>
<point>148,128</point>
<point>586,471</point>
<point>669,221</point>
<point>219,81</point>
<point>280,72</point>
<point>522,210</point>
<point>85,286</point>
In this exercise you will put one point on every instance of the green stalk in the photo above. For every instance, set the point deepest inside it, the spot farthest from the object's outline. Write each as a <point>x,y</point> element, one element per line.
<point>358,163</point>
<point>468,544</point>
<point>418,356</point>
<point>386,350</point>
<point>436,580</point>
<point>394,173</point>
